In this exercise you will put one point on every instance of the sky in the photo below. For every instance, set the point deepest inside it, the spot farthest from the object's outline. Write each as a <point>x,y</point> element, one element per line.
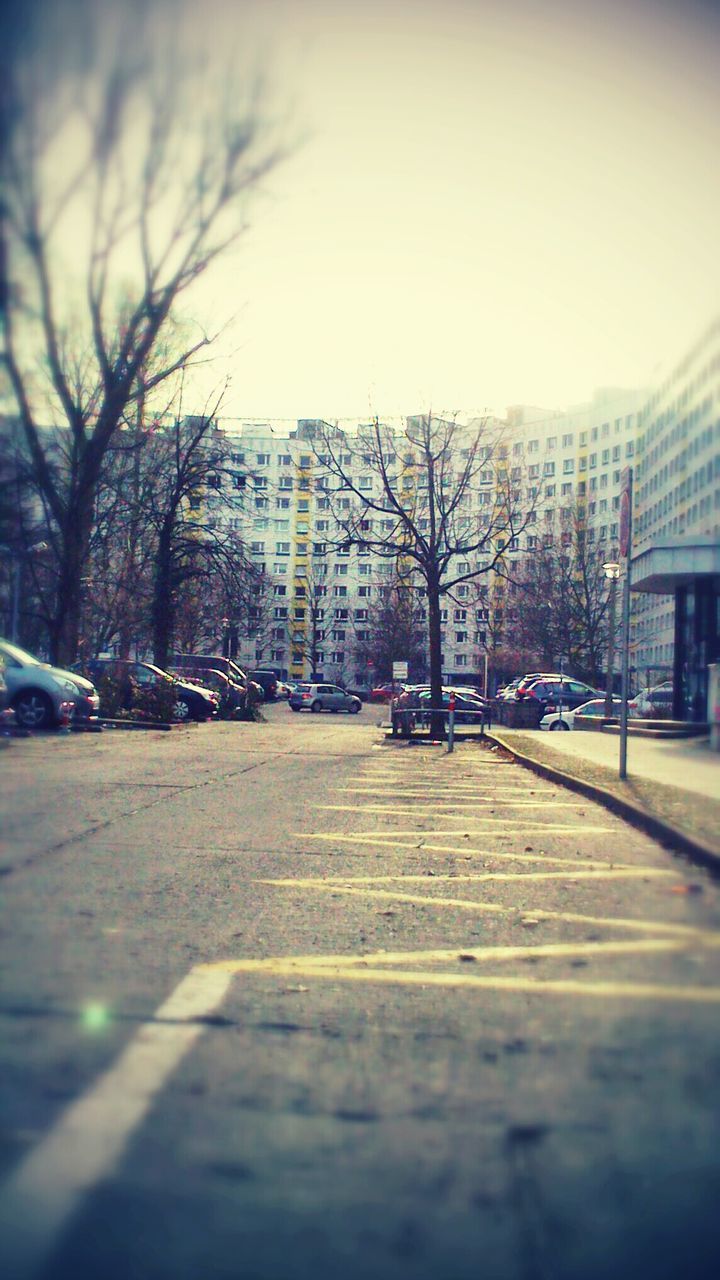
<point>486,202</point>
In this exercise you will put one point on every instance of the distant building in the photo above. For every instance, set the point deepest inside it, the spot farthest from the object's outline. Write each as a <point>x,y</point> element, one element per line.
<point>676,542</point>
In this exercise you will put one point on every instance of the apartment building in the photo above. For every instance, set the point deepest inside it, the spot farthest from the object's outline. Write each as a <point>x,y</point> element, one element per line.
<point>547,466</point>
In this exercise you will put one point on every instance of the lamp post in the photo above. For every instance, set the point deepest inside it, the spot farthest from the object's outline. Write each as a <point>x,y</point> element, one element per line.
<point>611,569</point>
<point>225,623</point>
<point>19,556</point>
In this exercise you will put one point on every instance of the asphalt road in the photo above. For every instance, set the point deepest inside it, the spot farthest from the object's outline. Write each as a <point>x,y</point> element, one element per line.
<point>284,1000</point>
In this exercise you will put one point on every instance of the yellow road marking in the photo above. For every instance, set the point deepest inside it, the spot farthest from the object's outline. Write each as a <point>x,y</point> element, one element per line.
<point>463,850</point>
<point>462,800</point>
<point>545,951</point>
<point>528,986</point>
<point>598,873</point>
<point>497,908</point>
<point>516,984</point>
<point>454,816</point>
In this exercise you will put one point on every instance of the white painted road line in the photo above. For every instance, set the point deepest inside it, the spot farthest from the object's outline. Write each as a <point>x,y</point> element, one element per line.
<point>89,1138</point>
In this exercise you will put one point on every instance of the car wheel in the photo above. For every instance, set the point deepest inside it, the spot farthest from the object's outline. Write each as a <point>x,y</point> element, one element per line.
<point>559,724</point>
<point>294,708</point>
<point>181,710</point>
<point>353,709</point>
<point>316,705</point>
<point>33,710</point>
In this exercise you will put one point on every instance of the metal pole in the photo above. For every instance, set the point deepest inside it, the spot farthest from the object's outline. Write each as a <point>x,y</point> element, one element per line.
<point>451,729</point>
<point>15,616</point>
<point>624,690</point>
<point>626,497</point>
<point>611,650</point>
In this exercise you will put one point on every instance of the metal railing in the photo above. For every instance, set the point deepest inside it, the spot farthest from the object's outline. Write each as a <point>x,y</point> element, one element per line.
<point>405,719</point>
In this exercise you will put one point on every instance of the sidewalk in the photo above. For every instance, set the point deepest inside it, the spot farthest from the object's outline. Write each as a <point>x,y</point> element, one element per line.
<point>672,788</point>
<point>686,763</point>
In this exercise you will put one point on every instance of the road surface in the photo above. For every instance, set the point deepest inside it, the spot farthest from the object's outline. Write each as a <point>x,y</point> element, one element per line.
<point>285,1000</point>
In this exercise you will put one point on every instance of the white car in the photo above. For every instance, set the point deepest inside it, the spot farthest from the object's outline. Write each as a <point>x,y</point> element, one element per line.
<point>593,710</point>
<point>656,703</point>
<point>41,695</point>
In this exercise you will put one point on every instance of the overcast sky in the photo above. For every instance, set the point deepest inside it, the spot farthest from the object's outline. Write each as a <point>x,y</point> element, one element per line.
<point>493,202</point>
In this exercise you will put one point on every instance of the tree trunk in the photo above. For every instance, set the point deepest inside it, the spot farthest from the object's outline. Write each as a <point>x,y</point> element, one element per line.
<point>65,628</point>
<point>437,721</point>
<point>163,605</point>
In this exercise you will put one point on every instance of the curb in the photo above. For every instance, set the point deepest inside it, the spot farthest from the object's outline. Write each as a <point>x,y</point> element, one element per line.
<point>661,830</point>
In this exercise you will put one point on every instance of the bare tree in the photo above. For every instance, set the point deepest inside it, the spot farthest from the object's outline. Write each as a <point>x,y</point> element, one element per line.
<point>104,148</point>
<point>185,505</point>
<point>425,510</point>
<point>393,631</point>
<point>559,601</point>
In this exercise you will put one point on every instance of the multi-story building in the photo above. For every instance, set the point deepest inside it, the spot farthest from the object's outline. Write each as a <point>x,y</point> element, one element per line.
<point>545,465</point>
<point>676,516</point>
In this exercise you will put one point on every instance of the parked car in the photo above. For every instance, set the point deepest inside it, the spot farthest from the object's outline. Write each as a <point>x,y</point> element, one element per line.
<point>323,697</point>
<point>385,692</point>
<point>469,707</point>
<point>187,664</point>
<point>41,695</point>
<point>283,690</point>
<point>268,682</point>
<point>232,696</point>
<point>6,712</point>
<point>656,703</point>
<point>192,702</point>
<point>523,683</point>
<point>551,691</point>
<point>593,710</point>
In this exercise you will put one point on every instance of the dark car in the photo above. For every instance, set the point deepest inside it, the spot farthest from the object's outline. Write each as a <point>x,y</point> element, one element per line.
<point>551,691</point>
<point>190,663</point>
<point>469,709</point>
<point>192,702</point>
<point>6,714</point>
<point>268,682</point>
<point>232,695</point>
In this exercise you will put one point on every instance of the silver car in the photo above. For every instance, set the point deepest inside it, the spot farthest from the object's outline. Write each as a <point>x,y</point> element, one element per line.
<point>323,697</point>
<point>41,695</point>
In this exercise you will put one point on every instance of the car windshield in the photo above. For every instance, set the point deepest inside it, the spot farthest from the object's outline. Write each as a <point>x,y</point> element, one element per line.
<point>19,655</point>
<point>149,666</point>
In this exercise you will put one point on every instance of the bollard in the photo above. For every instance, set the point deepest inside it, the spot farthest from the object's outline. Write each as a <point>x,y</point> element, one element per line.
<point>64,718</point>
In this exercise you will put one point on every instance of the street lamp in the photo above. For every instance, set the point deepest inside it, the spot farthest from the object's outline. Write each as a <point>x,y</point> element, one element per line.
<point>19,556</point>
<point>611,569</point>
<point>225,623</point>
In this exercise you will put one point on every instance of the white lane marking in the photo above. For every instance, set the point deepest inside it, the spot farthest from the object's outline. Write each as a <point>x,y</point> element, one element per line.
<point>90,1136</point>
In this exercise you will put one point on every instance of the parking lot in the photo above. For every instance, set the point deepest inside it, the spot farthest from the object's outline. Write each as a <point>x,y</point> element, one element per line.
<point>290,994</point>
